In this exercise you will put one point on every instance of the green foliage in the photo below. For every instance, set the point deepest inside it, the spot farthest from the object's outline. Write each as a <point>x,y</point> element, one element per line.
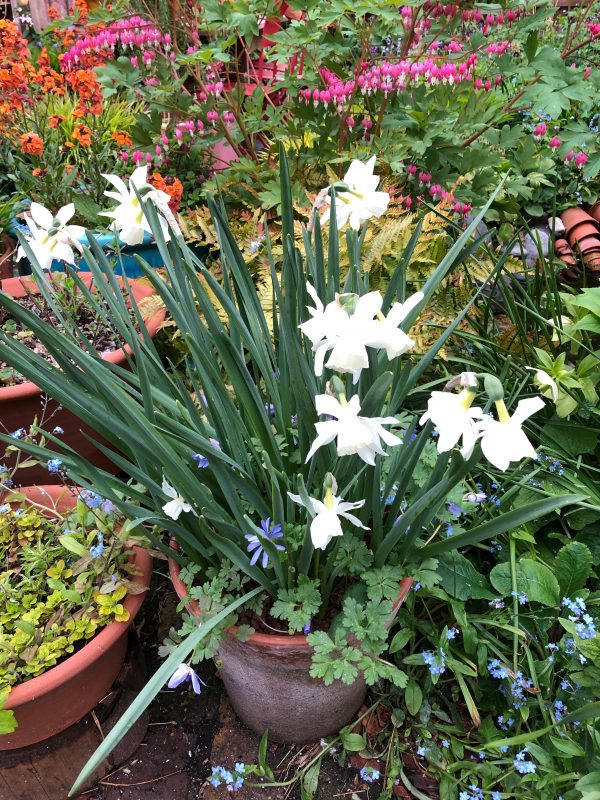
<point>297,607</point>
<point>63,579</point>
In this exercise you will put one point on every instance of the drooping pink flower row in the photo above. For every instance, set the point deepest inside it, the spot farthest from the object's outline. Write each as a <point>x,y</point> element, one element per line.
<point>388,77</point>
<point>451,10</point>
<point>133,32</point>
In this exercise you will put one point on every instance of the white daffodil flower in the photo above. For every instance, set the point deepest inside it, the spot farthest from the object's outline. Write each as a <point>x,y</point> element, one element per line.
<point>355,434</point>
<point>51,238</point>
<point>326,517</point>
<point>129,219</point>
<point>545,381</point>
<point>360,201</point>
<point>503,440</point>
<point>454,419</point>
<point>175,507</point>
<point>384,332</point>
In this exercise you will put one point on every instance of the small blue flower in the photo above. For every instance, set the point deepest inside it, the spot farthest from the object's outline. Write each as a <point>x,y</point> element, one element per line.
<point>521,597</point>
<point>496,796</point>
<point>307,627</point>
<point>523,766</point>
<point>91,499</point>
<point>452,633</point>
<point>369,774</point>
<point>254,543</point>
<point>435,661</point>
<point>54,465</point>
<point>58,430</point>
<point>496,670</point>
<point>559,709</point>
<point>496,603</point>
<point>270,409</point>
<point>586,629</point>
<point>454,509</point>
<point>201,460</point>
<point>19,434</point>
<point>475,497</point>
<point>4,508</point>
<point>504,748</point>
<point>185,673</point>
<point>420,751</point>
<point>108,507</point>
<point>445,743</point>
<point>97,549</point>
<point>570,646</point>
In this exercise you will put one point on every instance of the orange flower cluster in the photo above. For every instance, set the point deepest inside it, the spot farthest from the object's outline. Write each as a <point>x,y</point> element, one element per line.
<point>48,79</point>
<point>16,69</point>
<point>55,120</point>
<point>31,144</point>
<point>85,83</point>
<point>172,186</point>
<point>122,138</point>
<point>82,134</point>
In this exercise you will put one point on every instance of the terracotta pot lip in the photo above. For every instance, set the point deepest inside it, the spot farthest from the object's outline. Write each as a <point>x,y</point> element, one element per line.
<point>582,232</point>
<point>266,640</point>
<point>153,323</point>
<point>43,684</point>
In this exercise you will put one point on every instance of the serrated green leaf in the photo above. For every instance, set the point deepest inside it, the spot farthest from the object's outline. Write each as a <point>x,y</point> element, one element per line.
<point>572,567</point>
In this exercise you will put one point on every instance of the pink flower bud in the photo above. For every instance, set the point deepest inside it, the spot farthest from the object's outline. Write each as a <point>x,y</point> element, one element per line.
<point>148,158</point>
<point>581,159</point>
<point>350,122</point>
<point>554,142</point>
<point>408,202</point>
<point>411,169</point>
<point>158,150</point>
<point>367,124</point>
<point>570,156</point>
<point>539,130</point>
<point>137,157</point>
<point>134,61</point>
<point>124,156</point>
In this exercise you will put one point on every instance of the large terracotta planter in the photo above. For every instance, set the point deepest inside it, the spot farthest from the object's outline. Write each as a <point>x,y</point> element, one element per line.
<point>50,703</point>
<point>268,682</point>
<point>20,404</point>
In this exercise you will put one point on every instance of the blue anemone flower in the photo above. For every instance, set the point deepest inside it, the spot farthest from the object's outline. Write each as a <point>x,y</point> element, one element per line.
<point>254,541</point>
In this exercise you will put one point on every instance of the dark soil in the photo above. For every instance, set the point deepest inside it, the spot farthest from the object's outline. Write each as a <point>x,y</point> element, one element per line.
<point>84,317</point>
<point>189,734</point>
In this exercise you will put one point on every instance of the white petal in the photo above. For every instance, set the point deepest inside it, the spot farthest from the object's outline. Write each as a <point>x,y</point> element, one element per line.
<point>324,527</point>
<point>41,215</point>
<point>168,489</point>
<point>139,177</point>
<point>326,433</point>
<point>119,185</point>
<point>64,214</point>
<point>326,404</point>
<point>173,508</point>
<point>525,408</point>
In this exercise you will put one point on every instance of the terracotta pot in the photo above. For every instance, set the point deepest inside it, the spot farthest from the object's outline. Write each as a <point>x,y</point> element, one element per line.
<point>563,250</point>
<point>20,404</point>
<point>268,682</point>
<point>594,211</point>
<point>573,217</point>
<point>50,703</point>
<point>582,231</point>
<point>587,244</point>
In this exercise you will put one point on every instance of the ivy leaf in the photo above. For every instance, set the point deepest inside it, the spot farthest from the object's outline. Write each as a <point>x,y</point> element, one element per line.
<point>572,567</point>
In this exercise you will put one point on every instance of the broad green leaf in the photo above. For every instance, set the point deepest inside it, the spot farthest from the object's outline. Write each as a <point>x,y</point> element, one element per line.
<point>413,697</point>
<point>572,567</point>
<point>460,578</point>
<point>352,742</point>
<point>541,585</point>
<point>70,543</point>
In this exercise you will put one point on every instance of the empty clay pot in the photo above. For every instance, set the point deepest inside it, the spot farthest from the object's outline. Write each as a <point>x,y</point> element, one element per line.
<point>582,231</point>
<point>588,244</point>
<point>52,702</point>
<point>21,404</point>
<point>573,217</point>
<point>268,682</point>
<point>594,211</point>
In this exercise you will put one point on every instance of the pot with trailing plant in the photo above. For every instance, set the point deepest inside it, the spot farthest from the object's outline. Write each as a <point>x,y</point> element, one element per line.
<point>73,582</point>
<point>292,467</point>
<point>59,299</point>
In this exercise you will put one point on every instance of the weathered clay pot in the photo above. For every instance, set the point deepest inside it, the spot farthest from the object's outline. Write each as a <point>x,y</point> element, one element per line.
<point>50,703</point>
<point>268,682</point>
<point>582,231</point>
<point>564,251</point>
<point>594,211</point>
<point>20,404</point>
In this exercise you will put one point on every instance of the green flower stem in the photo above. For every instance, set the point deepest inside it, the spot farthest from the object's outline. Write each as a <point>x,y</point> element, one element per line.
<point>515,596</point>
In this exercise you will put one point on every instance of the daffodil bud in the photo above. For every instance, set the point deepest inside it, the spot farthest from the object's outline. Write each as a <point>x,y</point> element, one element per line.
<point>469,380</point>
<point>493,387</point>
<point>338,386</point>
<point>330,483</point>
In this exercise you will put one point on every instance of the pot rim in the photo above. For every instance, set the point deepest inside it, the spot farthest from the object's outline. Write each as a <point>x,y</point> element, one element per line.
<point>153,323</point>
<point>45,683</point>
<point>267,640</point>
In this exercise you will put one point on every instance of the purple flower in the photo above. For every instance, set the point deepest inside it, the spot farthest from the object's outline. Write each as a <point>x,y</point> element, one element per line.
<point>185,673</point>
<point>108,507</point>
<point>202,461</point>
<point>369,774</point>
<point>454,509</point>
<point>254,541</point>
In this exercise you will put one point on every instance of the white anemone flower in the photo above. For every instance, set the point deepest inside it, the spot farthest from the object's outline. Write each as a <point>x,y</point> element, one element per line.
<point>326,516</point>
<point>504,441</point>
<point>361,200</point>
<point>545,381</point>
<point>454,419</point>
<point>51,238</point>
<point>355,434</point>
<point>384,332</point>
<point>175,507</point>
<point>129,219</point>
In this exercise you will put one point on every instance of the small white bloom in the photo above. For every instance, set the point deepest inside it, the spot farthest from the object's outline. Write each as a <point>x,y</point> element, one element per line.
<point>128,217</point>
<point>355,434</point>
<point>177,505</point>
<point>454,419</point>
<point>360,201</point>
<point>51,238</point>
<point>504,441</point>
<point>326,523</point>
<point>543,380</point>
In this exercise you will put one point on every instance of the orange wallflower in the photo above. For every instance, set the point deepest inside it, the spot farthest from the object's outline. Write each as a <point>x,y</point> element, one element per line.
<point>85,83</point>
<point>82,134</point>
<point>122,138</point>
<point>172,186</point>
<point>53,13</point>
<point>39,173</point>
<point>31,144</point>
<point>55,120</point>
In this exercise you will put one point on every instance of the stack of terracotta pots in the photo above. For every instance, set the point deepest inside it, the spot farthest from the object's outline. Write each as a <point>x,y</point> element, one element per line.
<point>581,238</point>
